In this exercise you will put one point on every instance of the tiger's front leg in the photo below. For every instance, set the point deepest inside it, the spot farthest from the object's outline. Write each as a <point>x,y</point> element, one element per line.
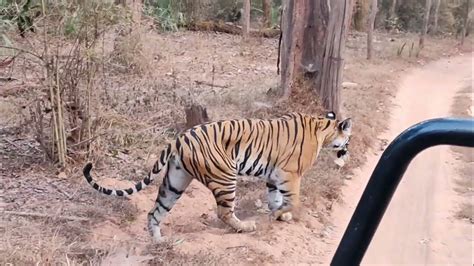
<point>284,190</point>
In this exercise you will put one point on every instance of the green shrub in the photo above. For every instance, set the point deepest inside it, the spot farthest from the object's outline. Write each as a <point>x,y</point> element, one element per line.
<point>166,13</point>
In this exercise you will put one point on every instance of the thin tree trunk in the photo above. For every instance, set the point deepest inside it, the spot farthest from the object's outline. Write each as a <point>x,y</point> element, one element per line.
<point>393,7</point>
<point>246,19</point>
<point>361,13</point>
<point>313,43</point>
<point>370,28</point>
<point>435,16</point>
<point>426,19</point>
<point>190,7</point>
<point>328,87</point>
<point>267,13</point>
<point>291,30</point>
<point>465,22</point>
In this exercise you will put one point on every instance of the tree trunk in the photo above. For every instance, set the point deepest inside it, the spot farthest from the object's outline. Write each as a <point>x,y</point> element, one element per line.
<point>196,10</point>
<point>246,19</point>
<point>370,28</point>
<point>267,13</point>
<point>426,19</point>
<point>361,12</point>
<point>435,16</point>
<point>466,21</point>
<point>313,42</point>
<point>393,7</point>
<point>291,31</point>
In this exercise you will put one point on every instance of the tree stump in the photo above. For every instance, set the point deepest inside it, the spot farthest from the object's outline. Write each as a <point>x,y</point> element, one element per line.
<point>195,115</point>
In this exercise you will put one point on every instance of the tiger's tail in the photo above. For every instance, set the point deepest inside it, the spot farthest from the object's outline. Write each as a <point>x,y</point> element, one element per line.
<point>157,167</point>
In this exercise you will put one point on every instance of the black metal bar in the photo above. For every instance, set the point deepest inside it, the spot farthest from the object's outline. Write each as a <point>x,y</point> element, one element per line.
<point>387,175</point>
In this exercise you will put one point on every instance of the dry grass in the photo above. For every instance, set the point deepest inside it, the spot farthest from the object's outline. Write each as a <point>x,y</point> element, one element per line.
<point>462,107</point>
<point>137,114</point>
<point>51,239</point>
<point>128,52</point>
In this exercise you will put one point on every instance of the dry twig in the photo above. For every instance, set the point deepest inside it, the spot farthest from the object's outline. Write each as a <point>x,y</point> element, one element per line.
<point>199,82</point>
<point>44,215</point>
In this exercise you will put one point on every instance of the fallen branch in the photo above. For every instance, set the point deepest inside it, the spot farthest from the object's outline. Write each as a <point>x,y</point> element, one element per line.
<point>227,27</point>
<point>198,82</point>
<point>4,63</point>
<point>87,140</point>
<point>43,215</point>
<point>12,143</point>
<point>22,51</point>
<point>6,91</point>
<point>7,79</point>
<point>61,191</point>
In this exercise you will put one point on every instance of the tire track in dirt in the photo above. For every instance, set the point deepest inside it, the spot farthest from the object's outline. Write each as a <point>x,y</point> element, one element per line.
<point>419,226</point>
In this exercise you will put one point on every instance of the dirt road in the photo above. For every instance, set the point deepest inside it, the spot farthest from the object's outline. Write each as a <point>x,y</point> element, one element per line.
<point>418,227</point>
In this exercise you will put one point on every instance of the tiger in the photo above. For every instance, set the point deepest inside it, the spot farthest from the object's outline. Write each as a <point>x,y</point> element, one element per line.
<point>278,150</point>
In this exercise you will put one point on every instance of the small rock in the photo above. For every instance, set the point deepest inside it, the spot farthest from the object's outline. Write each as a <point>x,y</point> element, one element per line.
<point>62,175</point>
<point>424,241</point>
<point>262,105</point>
<point>350,85</point>
<point>258,203</point>
<point>470,111</point>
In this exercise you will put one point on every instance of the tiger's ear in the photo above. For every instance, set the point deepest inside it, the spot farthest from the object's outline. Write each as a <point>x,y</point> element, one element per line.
<point>346,126</point>
<point>331,115</point>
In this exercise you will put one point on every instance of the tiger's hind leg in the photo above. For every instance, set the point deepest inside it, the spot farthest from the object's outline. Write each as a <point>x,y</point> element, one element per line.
<point>174,183</point>
<point>289,186</point>
<point>225,198</point>
<point>275,201</point>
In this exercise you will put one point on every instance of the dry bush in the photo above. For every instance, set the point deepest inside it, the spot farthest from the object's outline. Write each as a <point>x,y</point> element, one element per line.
<point>51,240</point>
<point>27,242</point>
<point>466,212</point>
<point>128,53</point>
<point>72,63</point>
<point>465,182</point>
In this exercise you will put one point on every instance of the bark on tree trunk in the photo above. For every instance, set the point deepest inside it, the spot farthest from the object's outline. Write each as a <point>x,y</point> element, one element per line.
<point>197,10</point>
<point>435,17</point>
<point>393,6</point>
<point>267,13</point>
<point>361,12</point>
<point>426,19</point>
<point>313,43</point>
<point>465,22</point>
<point>291,31</point>
<point>246,19</point>
<point>370,28</point>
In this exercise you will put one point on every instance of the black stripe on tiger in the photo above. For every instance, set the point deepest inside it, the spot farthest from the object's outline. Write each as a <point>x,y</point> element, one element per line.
<point>165,154</point>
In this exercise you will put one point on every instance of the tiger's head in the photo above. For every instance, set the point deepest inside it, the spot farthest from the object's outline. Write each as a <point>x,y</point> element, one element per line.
<point>336,133</point>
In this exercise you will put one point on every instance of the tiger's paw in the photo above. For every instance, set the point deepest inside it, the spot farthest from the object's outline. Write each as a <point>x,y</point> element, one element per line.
<point>247,226</point>
<point>279,213</point>
<point>285,217</point>
<point>155,234</point>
